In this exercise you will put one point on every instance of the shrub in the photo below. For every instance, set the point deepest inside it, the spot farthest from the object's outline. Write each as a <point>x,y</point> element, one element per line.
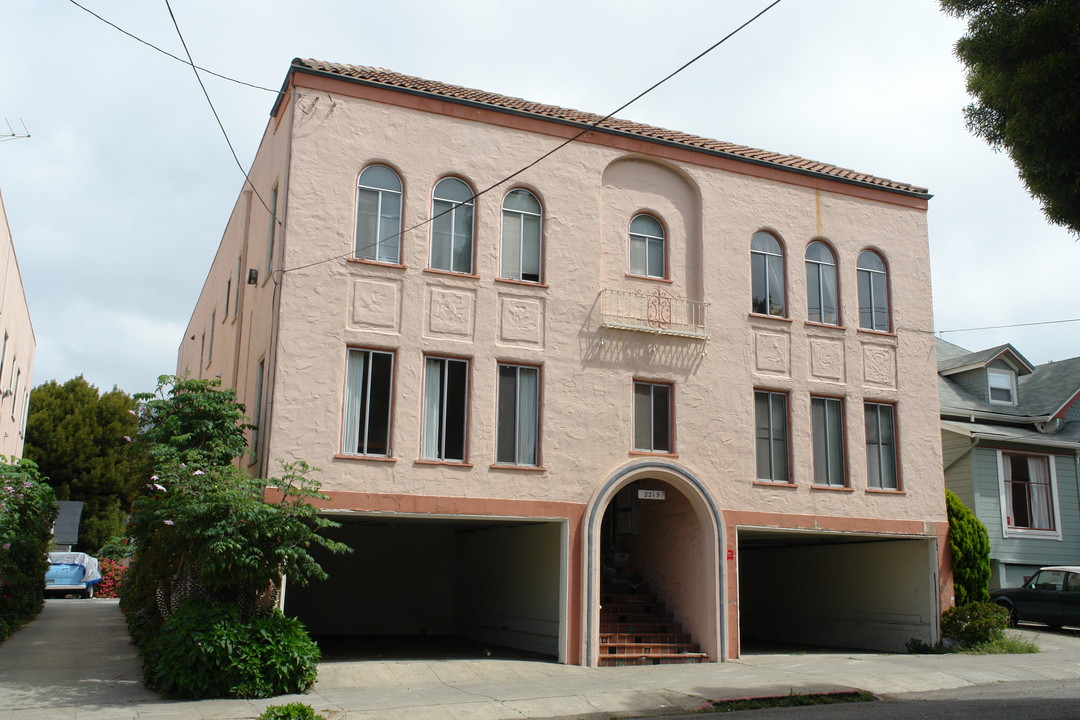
<point>210,651</point>
<point>291,711</point>
<point>969,544</point>
<point>117,548</point>
<point>112,574</point>
<point>975,623</point>
<point>27,510</point>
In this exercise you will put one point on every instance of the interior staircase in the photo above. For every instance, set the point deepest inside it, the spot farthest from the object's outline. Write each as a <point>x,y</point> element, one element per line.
<point>637,629</point>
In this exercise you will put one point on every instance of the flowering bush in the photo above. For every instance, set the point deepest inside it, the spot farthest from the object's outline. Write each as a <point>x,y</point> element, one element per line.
<point>27,510</point>
<point>112,573</point>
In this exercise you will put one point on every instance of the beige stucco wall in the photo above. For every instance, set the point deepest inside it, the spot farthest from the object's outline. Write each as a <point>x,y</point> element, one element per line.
<point>17,346</point>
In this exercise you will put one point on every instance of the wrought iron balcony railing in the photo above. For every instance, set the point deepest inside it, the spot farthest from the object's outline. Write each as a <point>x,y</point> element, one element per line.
<point>656,312</point>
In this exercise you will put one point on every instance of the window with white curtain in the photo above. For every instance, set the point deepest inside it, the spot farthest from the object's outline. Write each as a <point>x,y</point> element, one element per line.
<point>767,275</point>
<point>521,237</point>
<point>821,302</point>
<point>369,378</point>
<point>652,417</point>
<point>771,436</point>
<point>378,215</point>
<point>452,226</point>
<point>647,247</point>
<point>517,424</point>
<point>873,292</point>
<point>1029,490</point>
<point>880,446</point>
<point>827,421</point>
<point>446,393</point>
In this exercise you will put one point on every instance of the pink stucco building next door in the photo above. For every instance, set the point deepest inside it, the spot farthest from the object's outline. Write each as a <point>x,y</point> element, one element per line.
<point>654,399</point>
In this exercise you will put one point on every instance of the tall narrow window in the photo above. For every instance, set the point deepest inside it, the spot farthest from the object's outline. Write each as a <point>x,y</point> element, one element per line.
<point>873,292</point>
<point>202,352</point>
<point>257,419</point>
<point>210,349</point>
<point>3,355</point>
<point>228,296</point>
<point>652,417</point>
<point>273,230</point>
<point>521,237</point>
<point>446,393</point>
<point>1002,385</point>
<point>770,422</point>
<point>15,391</point>
<point>1029,496</point>
<point>239,284</point>
<point>518,415</point>
<point>368,382</point>
<point>767,275</point>
<point>821,306</point>
<point>647,247</point>
<point>827,421</point>
<point>880,446</point>
<point>452,226</point>
<point>378,215</point>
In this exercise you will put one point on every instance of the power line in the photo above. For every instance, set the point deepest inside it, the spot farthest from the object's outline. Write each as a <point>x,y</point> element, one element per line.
<point>1015,325</point>
<point>169,54</point>
<point>228,142</point>
<point>560,146</point>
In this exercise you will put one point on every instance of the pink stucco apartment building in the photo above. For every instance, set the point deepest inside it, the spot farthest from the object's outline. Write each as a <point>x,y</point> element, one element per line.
<point>17,347</point>
<point>655,398</point>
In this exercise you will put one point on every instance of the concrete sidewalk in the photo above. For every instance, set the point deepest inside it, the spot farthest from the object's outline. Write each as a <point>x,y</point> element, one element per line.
<point>40,678</point>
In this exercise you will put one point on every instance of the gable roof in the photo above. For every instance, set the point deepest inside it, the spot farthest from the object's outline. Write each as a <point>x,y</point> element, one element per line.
<point>962,362</point>
<point>454,93</point>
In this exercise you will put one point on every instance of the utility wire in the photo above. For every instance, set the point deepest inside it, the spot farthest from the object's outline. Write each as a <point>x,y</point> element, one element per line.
<point>560,146</point>
<point>1015,325</point>
<point>195,69</point>
<point>169,54</point>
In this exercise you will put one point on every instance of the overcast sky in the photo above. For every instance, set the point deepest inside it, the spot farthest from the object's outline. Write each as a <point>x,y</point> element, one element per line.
<point>118,200</point>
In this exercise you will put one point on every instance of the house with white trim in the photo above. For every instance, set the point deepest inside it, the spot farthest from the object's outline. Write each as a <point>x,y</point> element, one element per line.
<point>654,398</point>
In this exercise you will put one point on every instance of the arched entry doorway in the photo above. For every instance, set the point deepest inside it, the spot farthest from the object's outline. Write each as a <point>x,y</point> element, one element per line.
<point>653,546</point>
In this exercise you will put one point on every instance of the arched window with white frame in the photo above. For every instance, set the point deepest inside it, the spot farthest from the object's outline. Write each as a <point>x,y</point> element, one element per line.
<point>378,216</point>
<point>521,237</point>
<point>452,227</point>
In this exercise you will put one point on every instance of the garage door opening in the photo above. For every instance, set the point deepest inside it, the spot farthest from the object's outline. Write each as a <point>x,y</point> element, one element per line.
<point>835,590</point>
<point>438,587</point>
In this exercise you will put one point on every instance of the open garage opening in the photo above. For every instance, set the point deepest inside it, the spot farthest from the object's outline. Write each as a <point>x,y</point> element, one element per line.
<point>438,587</point>
<point>835,590</point>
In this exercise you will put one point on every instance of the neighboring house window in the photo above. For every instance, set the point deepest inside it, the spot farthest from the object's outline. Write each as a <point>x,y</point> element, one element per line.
<point>647,247</point>
<point>517,425</point>
<point>378,216</point>
<point>767,275</point>
<point>452,226</point>
<point>521,233</point>
<point>1029,491</point>
<point>255,431</point>
<point>273,231</point>
<point>873,292</point>
<point>827,421</point>
<point>771,435</point>
<point>821,305</point>
<point>652,417</point>
<point>880,446</point>
<point>446,393</point>
<point>369,378</point>
<point>1002,386</point>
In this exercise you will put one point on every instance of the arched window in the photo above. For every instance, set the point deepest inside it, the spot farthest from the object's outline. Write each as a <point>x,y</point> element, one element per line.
<point>521,237</point>
<point>821,304</point>
<point>452,226</point>
<point>767,275</point>
<point>378,215</point>
<point>647,247</point>
<point>873,292</point>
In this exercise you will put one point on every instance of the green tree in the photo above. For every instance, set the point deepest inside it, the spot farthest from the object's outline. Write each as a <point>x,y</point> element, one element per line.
<point>81,441</point>
<point>27,511</point>
<point>1023,69</point>
<point>969,544</point>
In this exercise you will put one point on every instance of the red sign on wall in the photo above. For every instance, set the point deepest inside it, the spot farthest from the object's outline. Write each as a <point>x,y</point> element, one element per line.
<point>730,554</point>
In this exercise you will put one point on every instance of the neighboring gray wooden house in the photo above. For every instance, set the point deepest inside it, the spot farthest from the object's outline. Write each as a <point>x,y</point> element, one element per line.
<point>1010,436</point>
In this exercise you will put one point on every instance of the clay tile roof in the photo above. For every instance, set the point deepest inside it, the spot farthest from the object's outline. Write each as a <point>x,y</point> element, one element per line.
<point>388,78</point>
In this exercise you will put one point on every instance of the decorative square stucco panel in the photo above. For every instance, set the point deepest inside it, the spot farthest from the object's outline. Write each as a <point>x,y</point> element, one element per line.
<point>376,305</point>
<point>451,313</point>
<point>521,320</point>
<point>827,359</point>
<point>772,353</point>
<point>879,366</point>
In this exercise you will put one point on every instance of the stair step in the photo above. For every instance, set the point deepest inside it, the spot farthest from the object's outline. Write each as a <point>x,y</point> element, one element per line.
<point>666,659</point>
<point>678,638</point>
<point>625,598</point>
<point>634,628</point>
<point>648,648</point>
<point>634,618</point>
<point>636,608</point>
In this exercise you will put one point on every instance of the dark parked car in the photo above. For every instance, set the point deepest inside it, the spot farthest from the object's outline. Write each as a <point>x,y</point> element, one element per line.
<point>1051,596</point>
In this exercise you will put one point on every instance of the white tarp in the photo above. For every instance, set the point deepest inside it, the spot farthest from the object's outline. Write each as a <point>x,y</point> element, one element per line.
<point>76,558</point>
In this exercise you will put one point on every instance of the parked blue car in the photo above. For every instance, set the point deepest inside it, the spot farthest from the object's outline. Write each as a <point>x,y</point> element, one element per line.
<point>72,573</point>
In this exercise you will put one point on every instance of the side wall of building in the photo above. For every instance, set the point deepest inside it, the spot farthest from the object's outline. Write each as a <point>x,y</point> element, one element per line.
<point>17,346</point>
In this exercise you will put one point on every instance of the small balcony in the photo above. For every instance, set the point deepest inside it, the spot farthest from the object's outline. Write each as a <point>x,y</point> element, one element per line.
<point>656,312</point>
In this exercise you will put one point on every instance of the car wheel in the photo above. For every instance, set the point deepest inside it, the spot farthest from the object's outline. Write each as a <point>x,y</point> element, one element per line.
<point>1013,619</point>
<point>89,592</point>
